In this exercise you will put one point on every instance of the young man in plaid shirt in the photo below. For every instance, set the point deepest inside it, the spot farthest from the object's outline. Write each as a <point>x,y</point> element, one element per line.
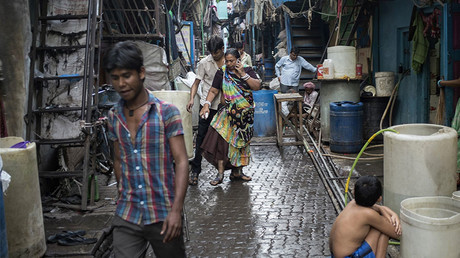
<point>150,161</point>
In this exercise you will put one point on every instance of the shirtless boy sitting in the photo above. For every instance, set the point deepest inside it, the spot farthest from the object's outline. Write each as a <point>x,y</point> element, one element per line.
<point>363,228</point>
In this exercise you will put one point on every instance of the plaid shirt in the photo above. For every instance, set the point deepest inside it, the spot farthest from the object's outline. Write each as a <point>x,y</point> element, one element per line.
<point>147,169</point>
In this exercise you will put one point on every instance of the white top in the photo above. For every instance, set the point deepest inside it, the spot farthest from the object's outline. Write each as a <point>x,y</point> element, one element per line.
<point>290,70</point>
<point>205,71</point>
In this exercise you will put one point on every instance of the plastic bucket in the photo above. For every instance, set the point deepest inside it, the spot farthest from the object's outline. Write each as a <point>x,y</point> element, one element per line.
<point>373,108</point>
<point>23,206</point>
<point>264,113</point>
<point>346,120</point>
<point>430,226</point>
<point>384,83</point>
<point>420,160</point>
<point>180,99</point>
<point>344,59</point>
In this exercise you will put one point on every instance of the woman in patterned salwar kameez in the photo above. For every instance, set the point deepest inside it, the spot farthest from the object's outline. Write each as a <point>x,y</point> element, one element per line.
<point>226,144</point>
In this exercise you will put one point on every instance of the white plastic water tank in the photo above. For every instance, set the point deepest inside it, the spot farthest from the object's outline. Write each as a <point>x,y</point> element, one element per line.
<point>180,99</point>
<point>430,227</point>
<point>23,206</point>
<point>419,160</point>
<point>344,59</point>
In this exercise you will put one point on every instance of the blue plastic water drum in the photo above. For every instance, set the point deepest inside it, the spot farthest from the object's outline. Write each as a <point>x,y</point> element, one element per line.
<point>3,236</point>
<point>346,122</point>
<point>264,113</point>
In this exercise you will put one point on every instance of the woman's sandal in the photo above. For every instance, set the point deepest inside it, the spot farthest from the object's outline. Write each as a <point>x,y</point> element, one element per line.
<point>241,176</point>
<point>193,180</point>
<point>218,180</point>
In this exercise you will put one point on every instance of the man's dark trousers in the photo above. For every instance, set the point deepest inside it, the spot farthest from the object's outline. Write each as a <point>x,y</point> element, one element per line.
<point>203,125</point>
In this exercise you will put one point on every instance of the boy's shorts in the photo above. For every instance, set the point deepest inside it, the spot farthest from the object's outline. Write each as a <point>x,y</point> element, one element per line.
<point>364,251</point>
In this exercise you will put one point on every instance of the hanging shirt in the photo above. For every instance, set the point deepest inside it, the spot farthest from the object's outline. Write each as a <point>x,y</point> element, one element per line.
<point>290,70</point>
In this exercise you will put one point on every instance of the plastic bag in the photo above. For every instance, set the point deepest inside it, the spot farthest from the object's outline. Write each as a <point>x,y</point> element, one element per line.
<point>274,84</point>
<point>6,179</point>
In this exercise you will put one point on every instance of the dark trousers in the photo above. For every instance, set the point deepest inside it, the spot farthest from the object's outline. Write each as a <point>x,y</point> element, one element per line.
<point>131,240</point>
<point>203,125</point>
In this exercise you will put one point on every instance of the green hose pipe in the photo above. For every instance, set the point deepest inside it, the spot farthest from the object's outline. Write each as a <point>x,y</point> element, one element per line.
<point>359,155</point>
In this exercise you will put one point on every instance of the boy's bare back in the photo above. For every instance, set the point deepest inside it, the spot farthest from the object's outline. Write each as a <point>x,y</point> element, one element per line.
<point>353,225</point>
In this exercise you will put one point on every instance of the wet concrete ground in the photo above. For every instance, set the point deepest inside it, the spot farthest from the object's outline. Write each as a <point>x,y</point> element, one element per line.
<point>284,211</point>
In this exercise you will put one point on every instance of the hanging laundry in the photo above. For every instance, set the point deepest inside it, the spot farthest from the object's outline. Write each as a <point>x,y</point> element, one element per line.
<point>420,45</point>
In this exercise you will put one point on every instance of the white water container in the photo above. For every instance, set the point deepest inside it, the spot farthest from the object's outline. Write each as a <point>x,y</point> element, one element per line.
<point>384,83</point>
<point>328,69</point>
<point>456,195</point>
<point>180,99</point>
<point>430,227</point>
<point>420,160</point>
<point>23,205</point>
<point>344,59</point>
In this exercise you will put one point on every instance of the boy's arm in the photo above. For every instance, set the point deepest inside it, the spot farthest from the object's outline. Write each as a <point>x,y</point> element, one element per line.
<point>388,214</point>
<point>172,226</point>
<point>382,224</point>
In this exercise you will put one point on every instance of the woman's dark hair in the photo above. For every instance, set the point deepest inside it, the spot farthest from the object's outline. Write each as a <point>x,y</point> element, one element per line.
<point>295,50</point>
<point>239,45</point>
<point>125,55</point>
<point>215,43</point>
<point>234,52</point>
<point>368,190</point>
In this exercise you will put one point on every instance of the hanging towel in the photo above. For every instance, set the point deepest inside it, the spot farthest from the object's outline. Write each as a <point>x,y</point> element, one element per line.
<point>420,46</point>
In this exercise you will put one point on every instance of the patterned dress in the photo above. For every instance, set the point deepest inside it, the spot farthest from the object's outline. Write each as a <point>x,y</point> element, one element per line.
<point>231,129</point>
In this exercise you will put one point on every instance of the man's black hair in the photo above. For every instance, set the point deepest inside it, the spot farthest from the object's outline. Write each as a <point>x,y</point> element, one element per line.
<point>215,43</point>
<point>124,55</point>
<point>239,45</point>
<point>295,50</point>
<point>368,190</point>
<point>234,52</point>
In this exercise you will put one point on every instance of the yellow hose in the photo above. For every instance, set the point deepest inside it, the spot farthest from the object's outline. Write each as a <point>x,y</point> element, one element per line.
<point>359,155</point>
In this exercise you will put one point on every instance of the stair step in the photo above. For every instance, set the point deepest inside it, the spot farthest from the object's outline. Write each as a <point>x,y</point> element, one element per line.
<point>64,17</point>
<point>61,77</point>
<point>60,174</point>
<point>307,36</point>
<point>57,109</point>
<point>48,48</point>
<point>309,46</point>
<point>311,56</point>
<point>72,141</point>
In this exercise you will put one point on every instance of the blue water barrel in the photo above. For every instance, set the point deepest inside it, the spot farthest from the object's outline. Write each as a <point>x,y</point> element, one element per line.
<point>264,113</point>
<point>346,121</point>
<point>3,237</point>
